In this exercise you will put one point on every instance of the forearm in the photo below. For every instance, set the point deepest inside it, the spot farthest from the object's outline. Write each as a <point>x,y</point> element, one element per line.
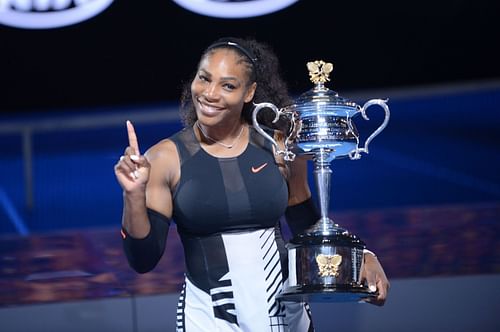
<point>135,217</point>
<point>298,186</point>
<point>144,233</point>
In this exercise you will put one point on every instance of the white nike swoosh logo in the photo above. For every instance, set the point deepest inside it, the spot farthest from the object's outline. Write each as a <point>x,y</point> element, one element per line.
<point>258,169</point>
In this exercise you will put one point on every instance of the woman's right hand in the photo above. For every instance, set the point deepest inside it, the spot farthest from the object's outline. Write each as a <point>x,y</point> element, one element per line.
<point>132,170</point>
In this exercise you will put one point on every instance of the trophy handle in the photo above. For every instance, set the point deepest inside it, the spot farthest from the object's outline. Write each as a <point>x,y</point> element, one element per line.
<point>356,154</point>
<point>288,155</point>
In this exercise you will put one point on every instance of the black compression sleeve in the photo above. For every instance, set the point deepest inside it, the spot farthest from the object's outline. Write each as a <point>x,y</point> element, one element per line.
<point>144,254</point>
<point>301,216</point>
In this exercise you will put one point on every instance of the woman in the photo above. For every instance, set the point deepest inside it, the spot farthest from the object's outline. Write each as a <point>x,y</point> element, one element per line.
<point>222,184</point>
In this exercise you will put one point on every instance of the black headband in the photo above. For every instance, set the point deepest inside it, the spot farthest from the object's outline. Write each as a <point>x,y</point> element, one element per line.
<point>229,43</point>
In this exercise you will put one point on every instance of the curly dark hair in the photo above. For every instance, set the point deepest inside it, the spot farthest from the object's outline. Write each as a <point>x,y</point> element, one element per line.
<point>263,68</point>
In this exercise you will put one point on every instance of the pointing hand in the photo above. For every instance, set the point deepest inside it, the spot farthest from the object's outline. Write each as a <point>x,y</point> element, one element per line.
<point>132,170</point>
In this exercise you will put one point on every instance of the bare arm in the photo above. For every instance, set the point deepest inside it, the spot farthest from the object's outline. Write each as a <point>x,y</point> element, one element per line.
<point>147,202</point>
<point>298,186</point>
<point>295,173</point>
<point>132,173</point>
<point>145,183</point>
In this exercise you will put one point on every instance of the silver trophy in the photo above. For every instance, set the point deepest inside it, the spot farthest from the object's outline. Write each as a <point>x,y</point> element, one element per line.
<point>325,260</point>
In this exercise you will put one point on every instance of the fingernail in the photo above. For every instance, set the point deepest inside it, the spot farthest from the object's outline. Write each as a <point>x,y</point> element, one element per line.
<point>133,174</point>
<point>134,157</point>
<point>121,158</point>
<point>136,174</point>
<point>372,288</point>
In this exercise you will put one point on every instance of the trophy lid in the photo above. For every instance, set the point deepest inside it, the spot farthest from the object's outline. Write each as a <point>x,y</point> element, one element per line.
<point>320,95</point>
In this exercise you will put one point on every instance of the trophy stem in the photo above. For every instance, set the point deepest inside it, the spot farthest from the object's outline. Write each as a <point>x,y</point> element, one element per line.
<point>322,177</point>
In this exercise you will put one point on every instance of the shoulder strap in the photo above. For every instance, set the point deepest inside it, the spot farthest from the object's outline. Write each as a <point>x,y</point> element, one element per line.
<point>186,143</point>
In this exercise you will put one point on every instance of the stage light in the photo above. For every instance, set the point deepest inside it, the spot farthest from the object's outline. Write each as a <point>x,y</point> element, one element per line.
<point>234,8</point>
<point>44,14</point>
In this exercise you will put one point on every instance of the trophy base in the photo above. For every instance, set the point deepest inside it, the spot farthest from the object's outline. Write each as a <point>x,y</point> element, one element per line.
<point>325,294</point>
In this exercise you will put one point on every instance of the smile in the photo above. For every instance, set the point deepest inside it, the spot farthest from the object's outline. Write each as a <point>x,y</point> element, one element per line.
<point>209,110</point>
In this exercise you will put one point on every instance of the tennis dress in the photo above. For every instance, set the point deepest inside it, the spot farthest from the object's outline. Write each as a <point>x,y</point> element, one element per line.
<point>227,212</point>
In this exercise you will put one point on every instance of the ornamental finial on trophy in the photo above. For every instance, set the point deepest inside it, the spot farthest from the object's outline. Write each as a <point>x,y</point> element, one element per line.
<point>319,71</point>
<point>325,260</point>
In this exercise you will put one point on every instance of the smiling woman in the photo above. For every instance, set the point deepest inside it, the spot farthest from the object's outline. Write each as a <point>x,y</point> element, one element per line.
<point>226,190</point>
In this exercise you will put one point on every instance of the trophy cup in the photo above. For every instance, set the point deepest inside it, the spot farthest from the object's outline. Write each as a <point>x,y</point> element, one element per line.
<point>325,260</point>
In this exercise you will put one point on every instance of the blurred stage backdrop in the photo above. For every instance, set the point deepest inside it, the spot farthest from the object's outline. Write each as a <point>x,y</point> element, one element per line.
<point>426,199</point>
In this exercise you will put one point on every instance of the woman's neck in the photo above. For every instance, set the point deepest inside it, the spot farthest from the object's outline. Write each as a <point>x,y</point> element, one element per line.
<point>221,136</point>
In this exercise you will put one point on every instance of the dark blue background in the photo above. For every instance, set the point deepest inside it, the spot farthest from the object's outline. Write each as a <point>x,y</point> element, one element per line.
<point>136,53</point>
<point>438,149</point>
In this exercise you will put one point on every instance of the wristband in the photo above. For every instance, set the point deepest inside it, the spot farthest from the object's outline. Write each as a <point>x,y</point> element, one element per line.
<point>301,216</point>
<point>143,254</point>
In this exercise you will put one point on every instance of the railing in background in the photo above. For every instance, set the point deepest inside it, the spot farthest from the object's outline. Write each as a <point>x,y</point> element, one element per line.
<point>421,115</point>
<point>26,129</point>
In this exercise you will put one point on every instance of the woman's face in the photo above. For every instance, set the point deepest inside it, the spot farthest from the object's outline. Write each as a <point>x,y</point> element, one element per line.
<point>221,88</point>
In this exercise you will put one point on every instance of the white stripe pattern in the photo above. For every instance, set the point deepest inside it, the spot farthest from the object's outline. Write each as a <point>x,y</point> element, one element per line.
<point>272,269</point>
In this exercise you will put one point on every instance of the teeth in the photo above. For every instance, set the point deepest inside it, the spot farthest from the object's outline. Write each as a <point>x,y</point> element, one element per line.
<point>209,109</point>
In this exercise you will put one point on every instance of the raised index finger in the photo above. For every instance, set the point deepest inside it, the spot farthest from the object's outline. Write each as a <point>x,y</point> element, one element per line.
<point>132,138</point>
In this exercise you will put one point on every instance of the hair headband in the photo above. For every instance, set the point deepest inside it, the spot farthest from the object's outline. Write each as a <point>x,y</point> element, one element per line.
<point>243,50</point>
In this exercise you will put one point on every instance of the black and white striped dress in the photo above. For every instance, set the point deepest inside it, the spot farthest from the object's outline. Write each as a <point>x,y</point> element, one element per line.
<point>227,212</point>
